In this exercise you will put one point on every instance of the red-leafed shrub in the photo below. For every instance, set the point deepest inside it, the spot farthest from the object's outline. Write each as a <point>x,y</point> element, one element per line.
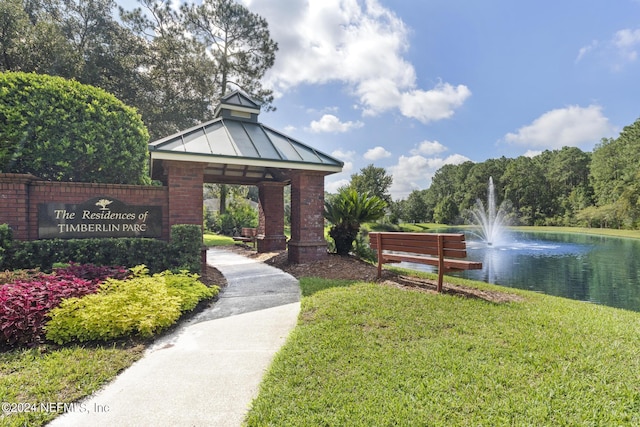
<point>92,272</point>
<point>24,305</point>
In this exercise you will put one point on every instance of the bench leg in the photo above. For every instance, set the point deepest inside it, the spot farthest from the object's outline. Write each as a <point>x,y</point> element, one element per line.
<point>440,262</point>
<point>379,246</point>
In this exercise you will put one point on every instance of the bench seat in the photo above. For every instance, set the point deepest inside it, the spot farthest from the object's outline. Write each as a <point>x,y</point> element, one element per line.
<point>247,235</point>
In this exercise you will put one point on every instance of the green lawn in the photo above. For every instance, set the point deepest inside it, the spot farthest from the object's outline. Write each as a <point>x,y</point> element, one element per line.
<point>50,375</point>
<point>211,239</point>
<point>371,355</point>
<point>631,234</point>
<point>365,354</point>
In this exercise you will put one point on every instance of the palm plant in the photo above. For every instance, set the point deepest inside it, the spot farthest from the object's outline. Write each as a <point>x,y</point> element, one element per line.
<point>346,211</point>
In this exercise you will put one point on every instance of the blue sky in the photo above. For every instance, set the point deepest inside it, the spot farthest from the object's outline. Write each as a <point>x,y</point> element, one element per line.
<point>411,85</point>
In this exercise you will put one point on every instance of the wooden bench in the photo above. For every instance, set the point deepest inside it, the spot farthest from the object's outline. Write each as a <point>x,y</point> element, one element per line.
<point>443,250</point>
<point>247,235</point>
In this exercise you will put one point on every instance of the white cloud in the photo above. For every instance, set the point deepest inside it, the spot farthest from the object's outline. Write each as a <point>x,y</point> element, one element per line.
<point>346,157</point>
<point>532,153</point>
<point>429,148</point>
<point>622,49</point>
<point>571,126</point>
<point>627,42</point>
<point>585,50</point>
<point>324,110</point>
<point>356,43</point>
<point>334,186</point>
<point>347,167</point>
<point>343,155</point>
<point>330,123</point>
<point>436,104</point>
<point>415,173</point>
<point>376,153</point>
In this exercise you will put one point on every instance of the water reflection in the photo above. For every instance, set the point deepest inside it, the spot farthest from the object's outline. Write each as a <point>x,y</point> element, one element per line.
<point>601,270</point>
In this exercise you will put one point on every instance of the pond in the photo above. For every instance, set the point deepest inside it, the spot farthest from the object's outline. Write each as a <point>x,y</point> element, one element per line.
<point>597,269</point>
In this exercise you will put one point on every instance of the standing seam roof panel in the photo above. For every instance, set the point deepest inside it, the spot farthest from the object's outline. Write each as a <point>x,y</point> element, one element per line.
<point>219,140</point>
<point>261,141</point>
<point>284,145</point>
<point>241,138</point>
<point>196,142</point>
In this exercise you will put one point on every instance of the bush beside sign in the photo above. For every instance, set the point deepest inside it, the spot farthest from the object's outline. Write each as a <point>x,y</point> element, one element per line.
<point>98,217</point>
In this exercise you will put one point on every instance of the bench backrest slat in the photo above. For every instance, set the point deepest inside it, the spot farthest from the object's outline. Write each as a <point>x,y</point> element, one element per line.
<point>249,232</point>
<point>421,243</point>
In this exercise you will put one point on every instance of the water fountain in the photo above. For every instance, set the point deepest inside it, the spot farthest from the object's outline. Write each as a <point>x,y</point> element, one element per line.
<point>579,266</point>
<point>491,221</point>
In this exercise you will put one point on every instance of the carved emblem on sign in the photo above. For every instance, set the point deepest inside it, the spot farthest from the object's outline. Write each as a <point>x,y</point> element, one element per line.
<point>103,203</point>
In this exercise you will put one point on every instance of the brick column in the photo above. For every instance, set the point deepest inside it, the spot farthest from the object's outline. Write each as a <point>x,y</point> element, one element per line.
<point>14,203</point>
<point>184,183</point>
<point>307,223</point>
<point>271,217</point>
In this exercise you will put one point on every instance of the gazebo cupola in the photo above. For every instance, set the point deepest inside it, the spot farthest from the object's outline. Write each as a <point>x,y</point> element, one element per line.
<point>239,107</point>
<point>235,148</point>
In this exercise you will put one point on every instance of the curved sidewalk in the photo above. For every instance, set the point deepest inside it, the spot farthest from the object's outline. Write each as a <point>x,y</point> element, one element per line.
<point>207,372</point>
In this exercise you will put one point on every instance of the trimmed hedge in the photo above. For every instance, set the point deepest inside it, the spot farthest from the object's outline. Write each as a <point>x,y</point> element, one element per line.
<point>181,253</point>
<point>61,130</point>
<point>185,246</point>
<point>43,254</point>
<point>5,242</point>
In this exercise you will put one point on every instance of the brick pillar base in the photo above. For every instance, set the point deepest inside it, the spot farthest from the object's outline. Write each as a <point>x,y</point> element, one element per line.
<point>301,253</point>
<point>307,223</point>
<point>271,217</point>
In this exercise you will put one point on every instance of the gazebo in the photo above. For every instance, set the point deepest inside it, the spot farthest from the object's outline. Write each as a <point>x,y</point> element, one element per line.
<point>235,148</point>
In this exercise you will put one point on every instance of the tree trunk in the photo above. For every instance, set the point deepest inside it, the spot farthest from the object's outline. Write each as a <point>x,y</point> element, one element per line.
<point>343,238</point>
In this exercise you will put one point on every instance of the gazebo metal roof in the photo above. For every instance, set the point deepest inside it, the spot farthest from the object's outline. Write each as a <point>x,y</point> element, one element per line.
<point>238,149</point>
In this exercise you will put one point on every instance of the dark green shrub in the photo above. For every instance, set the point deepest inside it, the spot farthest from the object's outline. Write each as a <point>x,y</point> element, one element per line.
<point>183,252</point>
<point>346,211</point>
<point>239,214</point>
<point>185,247</point>
<point>62,130</point>
<point>43,254</point>
<point>6,238</point>
<point>142,306</point>
<point>362,248</point>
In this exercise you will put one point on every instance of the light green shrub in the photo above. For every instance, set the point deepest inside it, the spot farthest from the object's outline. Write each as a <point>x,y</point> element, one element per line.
<point>142,306</point>
<point>188,288</point>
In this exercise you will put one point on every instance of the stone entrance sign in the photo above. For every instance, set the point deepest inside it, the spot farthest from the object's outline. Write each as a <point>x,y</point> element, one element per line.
<point>98,217</point>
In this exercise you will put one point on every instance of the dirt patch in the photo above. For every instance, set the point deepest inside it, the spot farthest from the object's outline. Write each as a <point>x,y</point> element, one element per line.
<point>352,268</point>
<point>211,276</point>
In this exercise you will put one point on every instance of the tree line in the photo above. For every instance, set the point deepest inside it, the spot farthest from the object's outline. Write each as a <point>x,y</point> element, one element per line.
<point>565,187</point>
<point>172,65</point>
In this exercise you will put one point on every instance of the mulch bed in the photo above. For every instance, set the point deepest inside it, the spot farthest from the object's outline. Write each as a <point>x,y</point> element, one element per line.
<point>353,268</point>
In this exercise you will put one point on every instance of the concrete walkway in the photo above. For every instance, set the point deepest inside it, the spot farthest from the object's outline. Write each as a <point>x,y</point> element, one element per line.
<point>207,372</point>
